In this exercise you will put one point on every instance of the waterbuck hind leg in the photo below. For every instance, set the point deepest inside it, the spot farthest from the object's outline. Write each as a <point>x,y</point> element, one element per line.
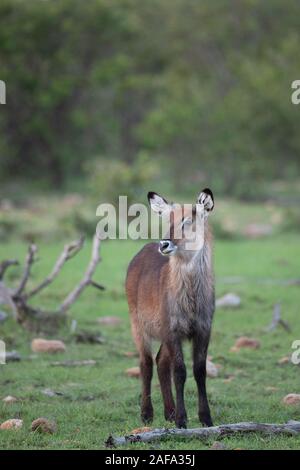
<point>163,361</point>
<point>200,346</point>
<point>179,373</point>
<point>146,366</point>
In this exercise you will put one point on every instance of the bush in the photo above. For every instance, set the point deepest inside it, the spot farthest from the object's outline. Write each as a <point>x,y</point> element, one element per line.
<point>110,178</point>
<point>291,220</point>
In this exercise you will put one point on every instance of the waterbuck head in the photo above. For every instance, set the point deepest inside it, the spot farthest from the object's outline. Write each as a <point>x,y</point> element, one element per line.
<point>184,223</point>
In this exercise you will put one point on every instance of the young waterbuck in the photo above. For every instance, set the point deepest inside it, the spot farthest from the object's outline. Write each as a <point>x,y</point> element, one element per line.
<point>170,292</point>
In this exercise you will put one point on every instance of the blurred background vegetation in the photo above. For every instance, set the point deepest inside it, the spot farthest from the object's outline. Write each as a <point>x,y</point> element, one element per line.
<point>121,96</point>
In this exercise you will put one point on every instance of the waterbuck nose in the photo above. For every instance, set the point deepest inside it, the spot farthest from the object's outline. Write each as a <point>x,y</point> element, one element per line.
<point>164,245</point>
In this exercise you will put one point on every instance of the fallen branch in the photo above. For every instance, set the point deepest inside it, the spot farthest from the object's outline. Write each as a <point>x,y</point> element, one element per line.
<point>97,285</point>
<point>277,320</point>
<point>36,318</point>
<point>85,362</point>
<point>290,428</point>
<point>26,273</point>
<point>69,251</point>
<point>6,264</point>
<point>87,278</point>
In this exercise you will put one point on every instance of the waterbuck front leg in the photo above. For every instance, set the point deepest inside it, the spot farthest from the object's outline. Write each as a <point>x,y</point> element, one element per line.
<point>179,373</point>
<point>146,367</point>
<point>164,365</point>
<point>200,345</point>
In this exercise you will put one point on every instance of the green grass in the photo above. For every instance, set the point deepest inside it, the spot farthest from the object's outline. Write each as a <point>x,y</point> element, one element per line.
<point>101,399</point>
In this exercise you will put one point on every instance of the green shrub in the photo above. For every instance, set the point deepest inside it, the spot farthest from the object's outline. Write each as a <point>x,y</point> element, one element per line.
<point>291,220</point>
<point>110,178</point>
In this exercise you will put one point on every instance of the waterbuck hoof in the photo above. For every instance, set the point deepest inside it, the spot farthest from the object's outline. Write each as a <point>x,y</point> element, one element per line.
<point>147,416</point>
<point>181,422</point>
<point>206,421</point>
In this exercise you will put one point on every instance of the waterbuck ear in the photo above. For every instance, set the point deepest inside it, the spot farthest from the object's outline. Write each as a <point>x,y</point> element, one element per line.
<point>158,203</point>
<point>206,198</point>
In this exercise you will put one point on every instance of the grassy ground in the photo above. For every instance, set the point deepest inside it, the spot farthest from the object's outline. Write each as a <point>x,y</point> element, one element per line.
<point>100,399</point>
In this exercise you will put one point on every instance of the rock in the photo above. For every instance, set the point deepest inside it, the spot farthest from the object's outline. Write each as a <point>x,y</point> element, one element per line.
<point>43,425</point>
<point>133,372</point>
<point>12,356</point>
<point>211,369</point>
<point>228,300</point>
<point>12,424</point>
<point>218,446</point>
<point>3,316</point>
<point>9,399</point>
<point>109,320</point>
<point>51,393</point>
<point>245,342</point>
<point>258,230</point>
<point>292,399</point>
<point>229,379</point>
<point>271,389</point>
<point>140,430</point>
<point>47,346</point>
<point>130,354</point>
<point>284,360</point>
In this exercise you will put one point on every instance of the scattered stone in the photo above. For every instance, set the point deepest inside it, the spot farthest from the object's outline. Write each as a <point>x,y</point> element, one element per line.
<point>3,316</point>
<point>229,379</point>
<point>133,372</point>
<point>47,346</point>
<point>86,362</point>
<point>245,342</point>
<point>291,399</point>
<point>12,356</point>
<point>258,230</point>
<point>211,369</point>
<point>113,320</point>
<point>43,425</point>
<point>271,389</point>
<point>9,399</point>
<point>141,430</point>
<point>130,354</point>
<point>218,446</point>
<point>229,300</point>
<point>12,424</point>
<point>284,360</point>
<point>51,393</point>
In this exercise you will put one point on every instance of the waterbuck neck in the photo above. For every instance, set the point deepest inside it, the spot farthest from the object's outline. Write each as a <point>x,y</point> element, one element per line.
<point>190,275</point>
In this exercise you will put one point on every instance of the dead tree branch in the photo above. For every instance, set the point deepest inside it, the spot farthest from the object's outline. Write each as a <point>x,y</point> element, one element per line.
<point>69,251</point>
<point>38,318</point>
<point>87,278</point>
<point>216,432</point>
<point>6,264</point>
<point>30,258</point>
<point>277,320</point>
